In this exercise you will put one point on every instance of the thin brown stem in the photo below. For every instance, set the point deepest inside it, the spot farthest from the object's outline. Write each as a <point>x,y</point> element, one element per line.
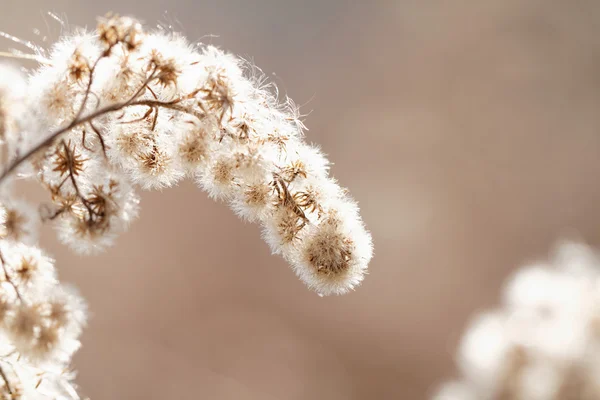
<point>142,87</point>
<point>91,81</point>
<point>6,381</point>
<point>49,214</point>
<point>143,117</point>
<point>83,135</point>
<point>66,178</point>
<point>173,105</point>
<point>8,279</point>
<point>73,180</point>
<point>100,138</point>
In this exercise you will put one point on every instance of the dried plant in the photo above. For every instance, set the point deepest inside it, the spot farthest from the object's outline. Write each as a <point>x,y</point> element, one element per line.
<point>122,107</point>
<point>544,342</point>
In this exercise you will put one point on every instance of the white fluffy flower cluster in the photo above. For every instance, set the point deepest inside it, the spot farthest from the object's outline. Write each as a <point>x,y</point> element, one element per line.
<point>127,107</point>
<point>544,342</point>
<point>118,108</point>
<point>40,319</point>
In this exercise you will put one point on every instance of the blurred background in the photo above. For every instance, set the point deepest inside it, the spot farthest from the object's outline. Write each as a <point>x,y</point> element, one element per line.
<point>469,132</point>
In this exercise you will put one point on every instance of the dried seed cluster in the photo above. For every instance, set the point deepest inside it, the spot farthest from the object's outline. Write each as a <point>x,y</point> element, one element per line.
<point>149,109</point>
<point>121,107</point>
<point>40,319</point>
<point>543,343</point>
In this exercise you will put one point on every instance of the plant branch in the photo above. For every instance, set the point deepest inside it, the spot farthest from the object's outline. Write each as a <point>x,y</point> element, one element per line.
<point>8,279</point>
<point>6,381</point>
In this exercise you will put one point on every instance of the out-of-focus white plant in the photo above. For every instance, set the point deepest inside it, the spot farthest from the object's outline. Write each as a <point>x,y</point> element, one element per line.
<point>120,107</point>
<point>543,343</point>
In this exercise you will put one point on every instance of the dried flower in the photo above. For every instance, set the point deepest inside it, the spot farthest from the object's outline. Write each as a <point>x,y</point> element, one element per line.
<point>543,342</point>
<point>126,108</point>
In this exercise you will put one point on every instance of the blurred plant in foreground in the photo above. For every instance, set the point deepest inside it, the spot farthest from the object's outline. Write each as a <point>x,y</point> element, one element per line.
<point>544,342</point>
<point>121,107</point>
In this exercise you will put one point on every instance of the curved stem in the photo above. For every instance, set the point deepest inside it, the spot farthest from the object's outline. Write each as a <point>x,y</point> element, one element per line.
<point>6,381</point>
<point>173,105</point>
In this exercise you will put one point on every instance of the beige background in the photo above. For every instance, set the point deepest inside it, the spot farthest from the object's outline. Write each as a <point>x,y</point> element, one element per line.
<point>469,131</point>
